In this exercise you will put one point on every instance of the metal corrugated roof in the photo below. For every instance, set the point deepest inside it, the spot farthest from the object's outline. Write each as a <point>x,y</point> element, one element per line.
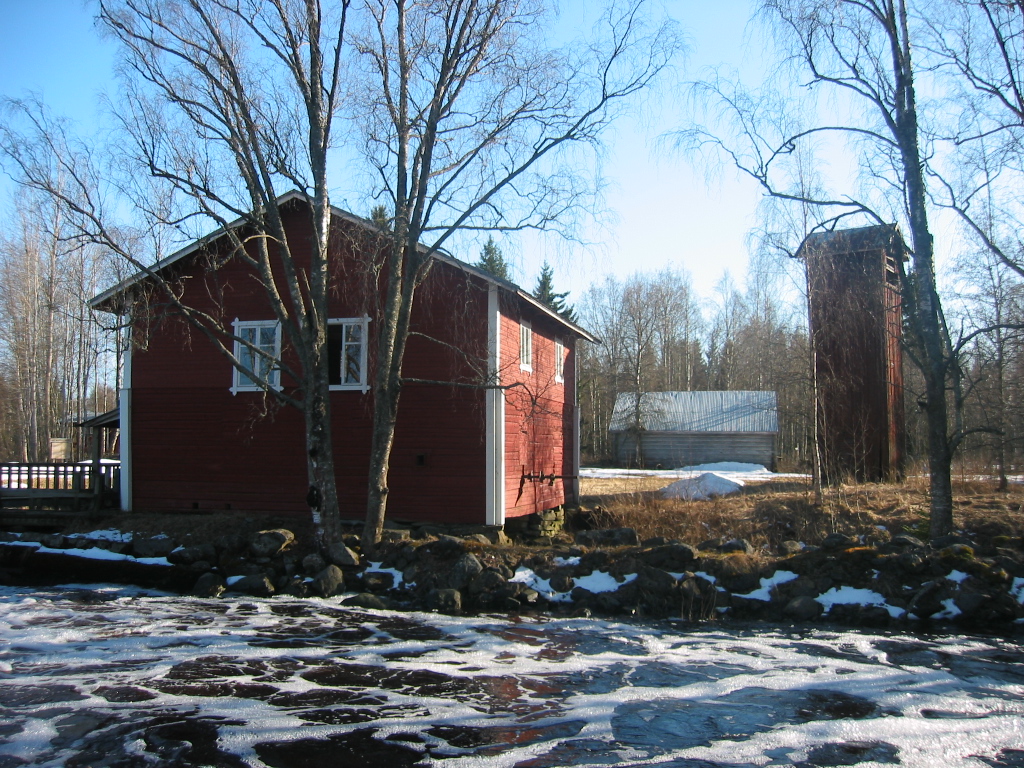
<point>740,411</point>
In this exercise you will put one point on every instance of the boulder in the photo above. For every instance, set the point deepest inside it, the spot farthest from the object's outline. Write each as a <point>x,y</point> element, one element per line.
<point>487,582</point>
<point>209,585</point>
<point>293,586</point>
<point>378,581</point>
<point>949,540</point>
<point>272,542</point>
<point>153,546</point>
<point>329,582</point>
<point>342,556</point>
<point>313,564</point>
<point>905,540</point>
<point>192,554</point>
<point>609,537</point>
<point>711,545</point>
<point>445,601</point>
<point>737,545</point>
<point>231,543</point>
<point>803,608</point>
<point>257,586</point>
<point>669,557</point>
<point>789,548</point>
<point>367,600</point>
<point>836,541</point>
<point>462,572</point>
<point>562,581</point>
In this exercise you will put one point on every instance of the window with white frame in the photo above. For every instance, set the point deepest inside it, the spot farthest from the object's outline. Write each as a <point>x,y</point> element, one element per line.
<point>257,348</point>
<point>559,362</point>
<point>525,346</point>
<point>346,353</point>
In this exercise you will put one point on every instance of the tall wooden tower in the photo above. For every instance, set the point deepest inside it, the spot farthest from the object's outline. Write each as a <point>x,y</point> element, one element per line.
<point>856,323</point>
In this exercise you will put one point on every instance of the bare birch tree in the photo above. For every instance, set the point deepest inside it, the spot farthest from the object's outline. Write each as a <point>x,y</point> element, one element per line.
<point>477,122</point>
<point>860,51</point>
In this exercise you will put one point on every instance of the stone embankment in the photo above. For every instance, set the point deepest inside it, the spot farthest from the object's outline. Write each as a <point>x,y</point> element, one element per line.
<point>844,579</point>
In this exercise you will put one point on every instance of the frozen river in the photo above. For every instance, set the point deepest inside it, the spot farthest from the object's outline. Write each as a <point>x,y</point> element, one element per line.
<point>109,676</point>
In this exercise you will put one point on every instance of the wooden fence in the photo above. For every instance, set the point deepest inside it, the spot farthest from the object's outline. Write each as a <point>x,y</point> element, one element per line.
<point>77,487</point>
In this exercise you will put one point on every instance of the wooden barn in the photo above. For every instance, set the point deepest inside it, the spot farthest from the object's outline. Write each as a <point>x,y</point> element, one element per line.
<point>856,322</point>
<point>679,429</point>
<point>197,435</point>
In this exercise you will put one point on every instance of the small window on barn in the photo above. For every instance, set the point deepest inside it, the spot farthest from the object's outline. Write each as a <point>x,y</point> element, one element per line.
<point>346,353</point>
<point>559,362</point>
<point>525,346</point>
<point>258,349</point>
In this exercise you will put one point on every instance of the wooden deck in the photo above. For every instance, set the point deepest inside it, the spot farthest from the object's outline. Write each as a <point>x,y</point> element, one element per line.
<point>44,491</point>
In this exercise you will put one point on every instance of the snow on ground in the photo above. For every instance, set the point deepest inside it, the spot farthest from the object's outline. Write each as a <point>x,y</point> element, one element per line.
<point>706,485</point>
<point>732,470</point>
<point>102,676</point>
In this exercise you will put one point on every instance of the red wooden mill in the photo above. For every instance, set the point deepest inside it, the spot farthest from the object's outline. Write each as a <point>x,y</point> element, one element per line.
<point>196,435</point>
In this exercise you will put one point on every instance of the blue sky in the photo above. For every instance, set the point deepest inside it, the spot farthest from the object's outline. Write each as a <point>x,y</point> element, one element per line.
<point>663,211</point>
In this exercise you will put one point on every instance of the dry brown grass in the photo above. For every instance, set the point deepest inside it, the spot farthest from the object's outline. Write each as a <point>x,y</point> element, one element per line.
<point>769,513</point>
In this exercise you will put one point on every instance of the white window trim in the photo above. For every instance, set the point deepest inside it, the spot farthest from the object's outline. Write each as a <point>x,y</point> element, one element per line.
<point>364,385</point>
<point>275,373</point>
<point>559,361</point>
<point>527,364</point>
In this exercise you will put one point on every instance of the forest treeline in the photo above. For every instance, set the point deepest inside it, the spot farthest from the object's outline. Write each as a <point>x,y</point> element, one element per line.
<point>58,362</point>
<point>659,335</point>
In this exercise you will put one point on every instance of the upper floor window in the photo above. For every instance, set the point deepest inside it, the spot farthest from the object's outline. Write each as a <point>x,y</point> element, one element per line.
<point>559,362</point>
<point>346,353</point>
<point>257,348</point>
<point>525,346</point>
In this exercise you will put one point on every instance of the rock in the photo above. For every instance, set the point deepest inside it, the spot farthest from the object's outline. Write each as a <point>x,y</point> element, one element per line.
<point>209,585</point>
<point>329,582</point>
<point>272,542</point>
<point>257,586</point>
<point>737,545</point>
<point>655,581</point>
<point>970,601</point>
<point>609,537</point>
<point>462,572</point>
<point>479,538</point>
<point>200,566</point>
<point>446,546</point>
<point>294,586</point>
<point>562,581</point>
<point>192,554</point>
<point>904,540</point>
<point>313,564</point>
<point>230,543</point>
<point>445,601</point>
<point>836,541</point>
<point>378,581</point>
<point>911,562</point>
<point>851,753</point>
<point>789,548</point>
<point>52,540</point>
<point>711,545</point>
<point>669,557</point>
<point>803,608</point>
<point>393,535</point>
<point>342,556</point>
<point>487,582</point>
<point>366,600</point>
<point>949,540</point>
<point>928,599</point>
<point>153,546</point>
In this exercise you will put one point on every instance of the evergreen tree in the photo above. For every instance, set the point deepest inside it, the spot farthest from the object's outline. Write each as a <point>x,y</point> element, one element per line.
<point>493,261</point>
<point>545,293</point>
<point>379,216</point>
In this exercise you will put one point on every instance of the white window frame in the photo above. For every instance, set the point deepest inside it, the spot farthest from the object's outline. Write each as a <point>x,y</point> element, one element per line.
<point>274,379</point>
<point>559,362</point>
<point>363,384</point>
<point>525,346</point>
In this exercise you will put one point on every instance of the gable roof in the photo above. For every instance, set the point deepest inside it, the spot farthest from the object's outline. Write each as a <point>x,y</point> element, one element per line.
<point>738,411</point>
<point>101,299</point>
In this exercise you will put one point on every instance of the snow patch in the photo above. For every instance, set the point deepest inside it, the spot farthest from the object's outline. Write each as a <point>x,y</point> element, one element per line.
<point>1017,590</point>
<point>854,596</point>
<point>704,486</point>
<point>395,573</point>
<point>764,593</point>
<point>958,576</point>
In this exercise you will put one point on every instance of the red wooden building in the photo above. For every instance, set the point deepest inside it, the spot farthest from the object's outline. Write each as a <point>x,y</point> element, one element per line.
<point>856,320</point>
<point>197,435</point>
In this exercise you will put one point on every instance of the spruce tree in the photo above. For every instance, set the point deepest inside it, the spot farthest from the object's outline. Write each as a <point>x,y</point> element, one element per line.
<point>493,261</point>
<point>545,293</point>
